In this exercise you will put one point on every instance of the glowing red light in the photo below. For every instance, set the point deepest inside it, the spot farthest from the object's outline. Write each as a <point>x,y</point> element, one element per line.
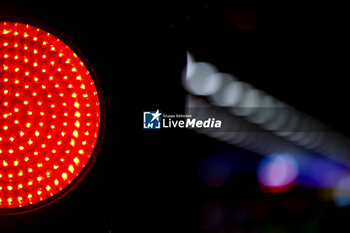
<point>50,115</point>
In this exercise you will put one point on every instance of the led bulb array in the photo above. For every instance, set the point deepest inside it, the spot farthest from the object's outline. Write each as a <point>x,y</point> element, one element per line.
<point>49,118</point>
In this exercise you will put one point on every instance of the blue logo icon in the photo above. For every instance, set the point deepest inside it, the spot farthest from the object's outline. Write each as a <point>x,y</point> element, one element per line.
<point>151,120</point>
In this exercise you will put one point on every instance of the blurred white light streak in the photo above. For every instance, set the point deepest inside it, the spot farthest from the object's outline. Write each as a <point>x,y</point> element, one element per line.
<point>265,111</point>
<point>240,100</point>
<point>238,131</point>
<point>200,78</point>
<point>249,103</point>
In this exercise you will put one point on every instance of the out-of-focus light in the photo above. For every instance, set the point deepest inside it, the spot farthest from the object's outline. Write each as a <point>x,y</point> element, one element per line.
<point>231,94</point>
<point>236,130</point>
<point>341,193</point>
<point>218,97</point>
<point>266,112</point>
<point>200,78</point>
<point>249,103</point>
<point>290,122</point>
<point>277,173</point>
<point>50,117</point>
<point>319,172</point>
<point>277,121</point>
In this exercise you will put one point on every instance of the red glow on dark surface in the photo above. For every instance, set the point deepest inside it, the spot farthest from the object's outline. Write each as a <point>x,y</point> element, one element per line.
<point>243,18</point>
<point>50,115</point>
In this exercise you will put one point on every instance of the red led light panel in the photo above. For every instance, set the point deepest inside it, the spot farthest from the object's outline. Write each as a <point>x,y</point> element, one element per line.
<point>49,118</point>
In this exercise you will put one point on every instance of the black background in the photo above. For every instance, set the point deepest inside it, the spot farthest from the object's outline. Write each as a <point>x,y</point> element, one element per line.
<point>148,180</point>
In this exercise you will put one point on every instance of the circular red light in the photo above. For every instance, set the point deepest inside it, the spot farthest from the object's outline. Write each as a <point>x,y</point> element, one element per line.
<point>49,119</point>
